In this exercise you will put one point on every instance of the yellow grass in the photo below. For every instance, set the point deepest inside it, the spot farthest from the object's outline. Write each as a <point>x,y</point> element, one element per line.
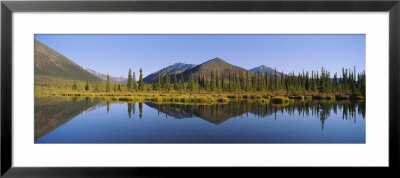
<point>198,97</point>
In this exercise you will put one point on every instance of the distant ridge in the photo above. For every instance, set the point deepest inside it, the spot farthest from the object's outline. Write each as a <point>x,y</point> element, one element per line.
<point>266,70</point>
<point>114,79</point>
<point>177,67</point>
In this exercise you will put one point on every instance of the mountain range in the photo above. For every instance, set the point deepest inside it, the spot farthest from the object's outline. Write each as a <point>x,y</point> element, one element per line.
<point>265,70</point>
<point>213,65</point>
<point>114,79</point>
<point>177,67</point>
<point>53,67</point>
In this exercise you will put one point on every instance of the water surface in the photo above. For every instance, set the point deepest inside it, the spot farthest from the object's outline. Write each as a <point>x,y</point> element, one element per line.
<point>91,120</point>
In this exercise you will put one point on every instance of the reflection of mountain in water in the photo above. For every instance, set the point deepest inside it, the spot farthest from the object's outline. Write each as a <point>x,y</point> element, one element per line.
<point>52,112</point>
<point>216,113</point>
<point>219,113</point>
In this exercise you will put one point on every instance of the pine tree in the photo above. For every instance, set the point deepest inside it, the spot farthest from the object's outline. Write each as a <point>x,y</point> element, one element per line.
<point>205,82</point>
<point>108,83</point>
<point>134,86</point>
<point>129,83</point>
<point>181,83</point>
<point>162,82</point>
<point>240,81</point>
<point>362,84</point>
<point>265,81</point>
<point>218,86</point>
<point>253,83</point>
<point>167,82</point>
<point>191,82</point>
<point>322,81</point>
<point>212,84</point>
<point>353,82</point>
<point>307,83</point>
<point>74,86</point>
<point>87,85</point>
<point>158,86</point>
<point>96,88</point>
<point>222,83</point>
<point>335,82</point>
<point>259,79</point>
<point>230,82</point>
<point>275,81</point>
<point>344,80</point>
<point>247,81</point>
<point>283,80</point>
<point>175,81</point>
<point>141,85</point>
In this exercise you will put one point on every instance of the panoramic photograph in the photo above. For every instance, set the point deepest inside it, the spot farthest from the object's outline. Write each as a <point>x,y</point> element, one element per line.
<point>199,88</point>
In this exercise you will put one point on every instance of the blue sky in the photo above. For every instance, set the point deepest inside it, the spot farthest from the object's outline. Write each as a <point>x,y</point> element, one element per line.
<point>115,54</point>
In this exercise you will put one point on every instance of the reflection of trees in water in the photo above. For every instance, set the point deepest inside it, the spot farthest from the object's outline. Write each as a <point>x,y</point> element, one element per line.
<point>87,99</point>
<point>140,110</point>
<point>108,106</point>
<point>218,113</point>
<point>323,115</point>
<point>52,112</point>
<point>131,109</point>
<point>324,109</point>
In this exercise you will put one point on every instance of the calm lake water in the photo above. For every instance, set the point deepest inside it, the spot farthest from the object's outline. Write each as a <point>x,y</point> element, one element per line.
<point>91,120</point>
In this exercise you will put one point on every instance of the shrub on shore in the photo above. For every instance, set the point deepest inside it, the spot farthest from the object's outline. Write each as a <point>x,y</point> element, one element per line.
<point>279,99</point>
<point>323,97</point>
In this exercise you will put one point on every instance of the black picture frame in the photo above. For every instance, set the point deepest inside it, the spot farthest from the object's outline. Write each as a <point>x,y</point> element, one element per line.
<point>8,7</point>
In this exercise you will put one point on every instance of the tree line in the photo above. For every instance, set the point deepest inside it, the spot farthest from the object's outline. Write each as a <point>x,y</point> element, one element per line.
<point>315,81</point>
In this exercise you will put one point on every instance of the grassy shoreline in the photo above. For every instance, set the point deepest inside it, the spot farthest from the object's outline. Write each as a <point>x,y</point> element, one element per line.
<point>203,97</point>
